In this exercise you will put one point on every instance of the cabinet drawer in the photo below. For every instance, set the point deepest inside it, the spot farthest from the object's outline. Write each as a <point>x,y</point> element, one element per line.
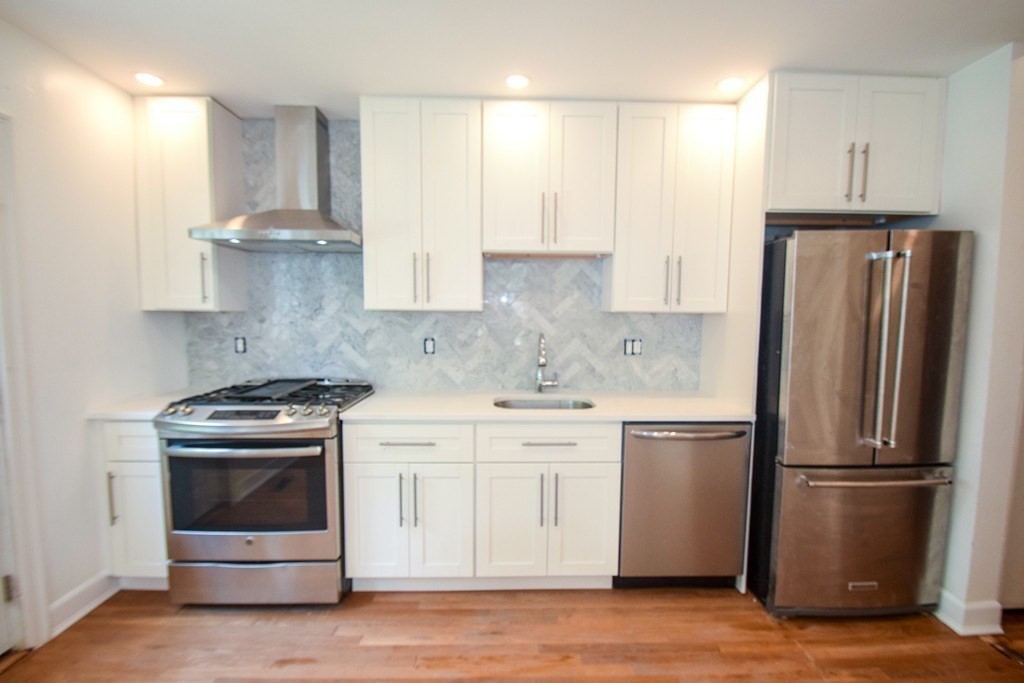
<point>531,442</point>
<point>130,441</point>
<point>407,442</point>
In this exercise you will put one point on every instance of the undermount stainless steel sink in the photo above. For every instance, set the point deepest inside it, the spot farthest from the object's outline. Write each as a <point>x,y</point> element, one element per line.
<point>544,403</point>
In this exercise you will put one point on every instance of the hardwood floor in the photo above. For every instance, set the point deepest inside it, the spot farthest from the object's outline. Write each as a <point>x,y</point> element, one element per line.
<point>652,635</point>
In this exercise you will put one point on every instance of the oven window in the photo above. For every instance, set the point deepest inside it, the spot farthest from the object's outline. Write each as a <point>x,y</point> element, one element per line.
<point>248,494</point>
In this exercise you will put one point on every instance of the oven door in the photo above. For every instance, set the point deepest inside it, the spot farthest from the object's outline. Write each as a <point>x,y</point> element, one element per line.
<point>251,500</point>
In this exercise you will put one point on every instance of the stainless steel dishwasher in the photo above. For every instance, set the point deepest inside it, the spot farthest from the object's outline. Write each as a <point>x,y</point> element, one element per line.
<point>684,499</point>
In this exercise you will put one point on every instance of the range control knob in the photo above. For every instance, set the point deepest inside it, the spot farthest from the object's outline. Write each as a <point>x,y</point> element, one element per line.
<point>291,410</point>
<point>186,410</point>
<point>170,410</point>
<point>324,410</point>
<point>308,410</point>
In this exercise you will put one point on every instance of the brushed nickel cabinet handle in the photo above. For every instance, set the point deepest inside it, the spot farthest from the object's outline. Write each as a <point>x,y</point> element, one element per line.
<point>864,178</point>
<point>679,281</point>
<point>111,505</point>
<point>202,278</point>
<point>849,172</point>
<point>667,260</point>
<point>549,444</point>
<point>391,444</point>
<point>556,498</point>
<point>415,501</point>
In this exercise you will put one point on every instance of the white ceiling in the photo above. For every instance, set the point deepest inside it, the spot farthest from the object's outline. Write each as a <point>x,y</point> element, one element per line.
<point>252,54</point>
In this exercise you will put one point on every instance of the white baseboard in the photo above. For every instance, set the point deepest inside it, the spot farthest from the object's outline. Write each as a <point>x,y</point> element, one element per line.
<point>143,584</point>
<point>76,604</point>
<point>980,618</point>
<point>484,584</point>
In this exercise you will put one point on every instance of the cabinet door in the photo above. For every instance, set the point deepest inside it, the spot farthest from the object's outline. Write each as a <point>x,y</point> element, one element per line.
<point>515,176</point>
<point>639,271</point>
<point>392,214</point>
<point>511,532</point>
<point>898,136</point>
<point>452,258</point>
<point>138,539</point>
<point>441,539</point>
<point>376,520</point>
<point>583,536</point>
<point>813,147</point>
<point>703,208</point>
<point>582,187</point>
<point>177,189</point>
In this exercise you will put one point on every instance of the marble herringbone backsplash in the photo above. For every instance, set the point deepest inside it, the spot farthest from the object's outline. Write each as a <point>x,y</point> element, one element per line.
<point>306,316</point>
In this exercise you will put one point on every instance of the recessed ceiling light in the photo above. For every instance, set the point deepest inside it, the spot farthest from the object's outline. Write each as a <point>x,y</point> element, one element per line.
<point>321,242</point>
<point>235,240</point>
<point>731,84</point>
<point>149,79</point>
<point>517,81</point>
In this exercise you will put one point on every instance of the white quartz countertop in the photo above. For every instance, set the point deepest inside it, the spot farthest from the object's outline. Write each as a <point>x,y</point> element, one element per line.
<point>458,406</point>
<point>466,406</point>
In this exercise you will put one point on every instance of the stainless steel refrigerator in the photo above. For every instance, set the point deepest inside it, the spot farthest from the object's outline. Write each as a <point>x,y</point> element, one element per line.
<point>860,365</point>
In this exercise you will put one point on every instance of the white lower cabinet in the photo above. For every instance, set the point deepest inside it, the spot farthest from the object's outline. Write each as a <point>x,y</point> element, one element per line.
<point>408,500</point>
<point>547,499</point>
<point>547,520</point>
<point>408,520</point>
<point>135,496</point>
<point>542,500</point>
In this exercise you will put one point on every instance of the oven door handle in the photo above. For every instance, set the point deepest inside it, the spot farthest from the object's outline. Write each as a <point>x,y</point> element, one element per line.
<point>194,452</point>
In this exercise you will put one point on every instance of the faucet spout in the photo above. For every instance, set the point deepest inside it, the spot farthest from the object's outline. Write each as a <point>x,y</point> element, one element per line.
<point>542,362</point>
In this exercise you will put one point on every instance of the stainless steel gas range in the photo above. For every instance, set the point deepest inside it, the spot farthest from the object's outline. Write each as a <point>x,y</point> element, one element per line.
<point>252,490</point>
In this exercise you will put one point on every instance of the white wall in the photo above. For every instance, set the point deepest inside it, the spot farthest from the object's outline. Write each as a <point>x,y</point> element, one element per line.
<point>982,181</point>
<point>75,336</point>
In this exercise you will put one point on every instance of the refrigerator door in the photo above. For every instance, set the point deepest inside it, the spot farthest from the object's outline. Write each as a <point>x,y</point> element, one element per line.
<point>858,541</point>
<point>826,325</point>
<point>925,343</point>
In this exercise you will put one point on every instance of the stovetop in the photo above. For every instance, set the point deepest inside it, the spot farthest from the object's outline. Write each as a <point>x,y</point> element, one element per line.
<point>290,397</point>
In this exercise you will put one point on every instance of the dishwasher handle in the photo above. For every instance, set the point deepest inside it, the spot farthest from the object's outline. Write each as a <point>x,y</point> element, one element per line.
<point>670,435</point>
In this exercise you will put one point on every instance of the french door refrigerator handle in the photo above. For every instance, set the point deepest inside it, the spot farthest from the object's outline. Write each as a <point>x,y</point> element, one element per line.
<point>901,331</point>
<point>902,483</point>
<point>875,439</point>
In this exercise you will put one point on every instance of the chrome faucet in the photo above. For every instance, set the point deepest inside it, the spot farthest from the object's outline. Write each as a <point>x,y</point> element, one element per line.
<point>542,362</point>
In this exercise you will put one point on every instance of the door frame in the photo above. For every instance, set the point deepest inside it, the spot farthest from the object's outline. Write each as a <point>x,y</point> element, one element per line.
<point>17,440</point>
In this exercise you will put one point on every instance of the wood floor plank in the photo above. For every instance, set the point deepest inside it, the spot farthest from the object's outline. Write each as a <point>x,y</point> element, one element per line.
<point>654,635</point>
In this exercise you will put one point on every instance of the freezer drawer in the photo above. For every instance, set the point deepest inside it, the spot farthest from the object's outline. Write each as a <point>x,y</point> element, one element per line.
<point>865,540</point>
<point>684,499</point>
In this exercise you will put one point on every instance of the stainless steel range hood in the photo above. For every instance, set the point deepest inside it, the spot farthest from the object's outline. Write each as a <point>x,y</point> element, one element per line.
<point>302,222</point>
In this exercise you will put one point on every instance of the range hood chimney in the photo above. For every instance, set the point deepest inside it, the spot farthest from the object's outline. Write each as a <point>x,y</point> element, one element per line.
<point>302,222</point>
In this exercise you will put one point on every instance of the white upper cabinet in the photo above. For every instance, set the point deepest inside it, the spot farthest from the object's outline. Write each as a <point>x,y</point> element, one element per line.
<point>674,209</point>
<point>188,173</point>
<point>549,177</point>
<point>421,204</point>
<point>855,143</point>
